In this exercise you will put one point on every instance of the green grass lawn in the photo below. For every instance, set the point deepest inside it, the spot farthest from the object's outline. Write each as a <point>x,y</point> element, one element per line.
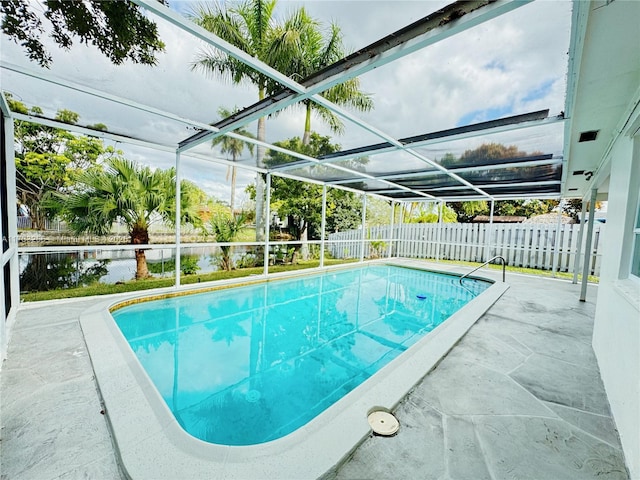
<point>527,271</point>
<point>246,235</point>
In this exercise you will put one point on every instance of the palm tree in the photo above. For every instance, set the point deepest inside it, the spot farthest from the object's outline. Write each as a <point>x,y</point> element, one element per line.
<point>315,52</point>
<point>233,147</point>
<point>250,27</point>
<point>225,229</point>
<point>135,195</point>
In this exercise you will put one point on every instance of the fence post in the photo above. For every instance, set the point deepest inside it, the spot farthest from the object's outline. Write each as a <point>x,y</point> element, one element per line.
<point>439,240</point>
<point>364,224</point>
<point>267,224</point>
<point>178,215</point>
<point>556,247</point>
<point>323,226</point>
<point>391,229</point>
<point>401,242</point>
<point>487,248</point>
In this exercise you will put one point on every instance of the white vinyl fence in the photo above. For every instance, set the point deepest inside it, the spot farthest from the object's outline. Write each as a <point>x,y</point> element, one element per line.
<point>25,223</point>
<point>522,245</point>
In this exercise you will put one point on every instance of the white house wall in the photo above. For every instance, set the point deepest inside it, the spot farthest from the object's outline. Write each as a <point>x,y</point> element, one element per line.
<point>616,336</point>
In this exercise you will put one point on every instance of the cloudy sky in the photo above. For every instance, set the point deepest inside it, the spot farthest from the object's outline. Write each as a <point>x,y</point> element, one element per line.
<point>511,65</point>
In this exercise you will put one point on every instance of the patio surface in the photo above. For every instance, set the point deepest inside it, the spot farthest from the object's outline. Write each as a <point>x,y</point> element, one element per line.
<point>519,397</point>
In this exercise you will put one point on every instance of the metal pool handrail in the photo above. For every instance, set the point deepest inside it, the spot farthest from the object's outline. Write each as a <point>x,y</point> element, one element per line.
<point>500,257</point>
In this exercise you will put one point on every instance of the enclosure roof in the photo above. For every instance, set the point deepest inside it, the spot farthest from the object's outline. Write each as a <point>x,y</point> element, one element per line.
<point>439,109</point>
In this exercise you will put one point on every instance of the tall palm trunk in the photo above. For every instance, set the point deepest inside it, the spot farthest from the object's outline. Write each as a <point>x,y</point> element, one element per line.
<point>140,236</point>
<point>231,170</point>
<point>260,210</point>
<point>306,137</point>
<point>233,188</point>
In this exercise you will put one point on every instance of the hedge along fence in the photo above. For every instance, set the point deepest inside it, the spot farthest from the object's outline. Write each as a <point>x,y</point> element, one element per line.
<point>522,245</point>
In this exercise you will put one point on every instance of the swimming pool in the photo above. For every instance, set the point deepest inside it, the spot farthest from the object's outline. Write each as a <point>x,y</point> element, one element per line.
<point>151,443</point>
<point>248,365</point>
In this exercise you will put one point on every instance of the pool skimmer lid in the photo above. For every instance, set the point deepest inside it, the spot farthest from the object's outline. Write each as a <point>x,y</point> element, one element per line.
<point>383,423</point>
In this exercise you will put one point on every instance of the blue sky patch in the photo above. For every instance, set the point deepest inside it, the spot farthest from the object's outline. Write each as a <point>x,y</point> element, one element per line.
<point>492,113</point>
<point>182,8</point>
<point>540,91</point>
<point>496,65</point>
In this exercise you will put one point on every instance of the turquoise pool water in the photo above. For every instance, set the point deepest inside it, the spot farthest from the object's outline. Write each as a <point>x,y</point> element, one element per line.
<point>247,365</point>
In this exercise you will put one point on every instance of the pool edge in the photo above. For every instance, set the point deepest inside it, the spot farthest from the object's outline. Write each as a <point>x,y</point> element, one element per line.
<point>150,444</point>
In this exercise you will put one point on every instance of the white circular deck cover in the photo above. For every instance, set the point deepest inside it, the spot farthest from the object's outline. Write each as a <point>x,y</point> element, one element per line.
<point>383,423</point>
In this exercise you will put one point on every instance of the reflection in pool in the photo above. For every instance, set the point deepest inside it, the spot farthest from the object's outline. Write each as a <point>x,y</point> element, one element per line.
<point>247,365</point>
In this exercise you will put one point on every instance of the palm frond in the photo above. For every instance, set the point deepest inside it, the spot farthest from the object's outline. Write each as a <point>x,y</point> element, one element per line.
<point>333,49</point>
<point>335,124</point>
<point>230,145</point>
<point>348,93</point>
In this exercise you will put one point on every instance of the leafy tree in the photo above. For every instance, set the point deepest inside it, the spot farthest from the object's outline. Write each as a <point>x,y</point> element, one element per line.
<point>344,210</point>
<point>67,116</point>
<point>484,154</point>
<point>378,211</point>
<point>573,208</point>
<point>133,194</point>
<point>314,52</point>
<point>431,214</point>
<point>98,126</point>
<point>467,211</point>
<point>233,147</point>
<point>250,26</point>
<point>48,160</point>
<point>524,208</point>
<point>225,229</point>
<point>301,202</point>
<point>119,29</point>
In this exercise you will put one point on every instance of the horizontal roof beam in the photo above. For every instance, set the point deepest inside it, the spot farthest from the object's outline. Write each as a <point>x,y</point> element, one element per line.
<point>499,185</point>
<point>547,160</point>
<point>472,198</point>
<point>430,173</point>
<point>516,122</point>
<point>488,185</point>
<point>458,133</point>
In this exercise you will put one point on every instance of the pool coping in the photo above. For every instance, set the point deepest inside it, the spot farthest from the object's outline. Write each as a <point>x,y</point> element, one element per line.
<point>150,443</point>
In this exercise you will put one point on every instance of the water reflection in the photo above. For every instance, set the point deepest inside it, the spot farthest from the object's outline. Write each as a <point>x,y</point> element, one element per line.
<point>248,365</point>
<point>50,271</point>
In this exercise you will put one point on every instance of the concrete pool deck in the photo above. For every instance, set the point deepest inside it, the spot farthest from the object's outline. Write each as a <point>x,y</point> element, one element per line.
<point>519,397</point>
